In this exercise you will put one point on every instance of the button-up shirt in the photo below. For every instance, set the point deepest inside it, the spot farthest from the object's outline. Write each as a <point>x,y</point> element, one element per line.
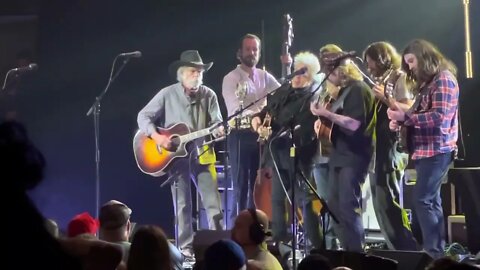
<point>435,121</point>
<point>258,86</point>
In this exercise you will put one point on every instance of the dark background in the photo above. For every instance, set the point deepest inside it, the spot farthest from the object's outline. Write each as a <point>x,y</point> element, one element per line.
<point>74,42</point>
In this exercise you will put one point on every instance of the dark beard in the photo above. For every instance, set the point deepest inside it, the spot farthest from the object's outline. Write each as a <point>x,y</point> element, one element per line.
<point>248,61</point>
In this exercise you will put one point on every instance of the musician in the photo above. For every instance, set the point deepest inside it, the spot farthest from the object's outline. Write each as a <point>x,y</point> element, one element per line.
<point>320,161</point>
<point>196,105</point>
<point>352,138</point>
<point>288,108</point>
<point>242,86</point>
<point>383,65</point>
<point>433,122</point>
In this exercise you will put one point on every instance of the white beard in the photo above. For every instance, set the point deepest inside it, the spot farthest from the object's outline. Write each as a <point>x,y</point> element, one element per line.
<point>193,84</point>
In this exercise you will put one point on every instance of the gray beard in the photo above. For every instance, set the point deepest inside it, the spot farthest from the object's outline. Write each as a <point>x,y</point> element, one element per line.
<point>193,84</point>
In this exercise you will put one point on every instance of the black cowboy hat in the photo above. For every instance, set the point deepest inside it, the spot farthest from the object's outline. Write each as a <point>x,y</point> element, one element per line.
<point>189,58</point>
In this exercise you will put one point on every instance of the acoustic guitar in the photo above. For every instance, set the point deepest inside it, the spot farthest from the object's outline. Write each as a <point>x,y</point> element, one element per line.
<point>155,160</point>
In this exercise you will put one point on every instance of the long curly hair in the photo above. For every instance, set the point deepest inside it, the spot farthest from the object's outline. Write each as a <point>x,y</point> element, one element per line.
<point>430,62</point>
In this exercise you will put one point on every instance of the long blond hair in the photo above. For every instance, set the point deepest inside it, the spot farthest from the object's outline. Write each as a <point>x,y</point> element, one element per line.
<point>349,72</point>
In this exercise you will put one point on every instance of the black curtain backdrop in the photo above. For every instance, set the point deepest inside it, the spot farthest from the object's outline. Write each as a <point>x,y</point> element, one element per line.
<point>78,40</point>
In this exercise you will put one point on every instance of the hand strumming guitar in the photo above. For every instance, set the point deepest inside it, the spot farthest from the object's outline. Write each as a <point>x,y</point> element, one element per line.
<point>318,110</point>
<point>316,126</point>
<point>379,91</point>
<point>396,114</point>
<point>219,132</point>
<point>256,122</point>
<point>393,125</point>
<point>257,126</point>
<point>161,140</point>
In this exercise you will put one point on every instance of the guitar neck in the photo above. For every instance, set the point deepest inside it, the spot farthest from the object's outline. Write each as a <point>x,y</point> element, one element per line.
<point>195,135</point>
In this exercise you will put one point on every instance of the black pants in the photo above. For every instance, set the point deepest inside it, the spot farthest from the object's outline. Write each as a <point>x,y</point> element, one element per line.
<point>244,161</point>
<point>303,196</point>
<point>391,217</point>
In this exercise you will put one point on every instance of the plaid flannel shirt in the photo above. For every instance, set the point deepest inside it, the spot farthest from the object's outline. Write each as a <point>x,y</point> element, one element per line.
<point>435,121</point>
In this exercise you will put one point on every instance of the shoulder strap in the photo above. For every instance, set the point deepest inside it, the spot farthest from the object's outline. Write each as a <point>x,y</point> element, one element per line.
<point>338,103</point>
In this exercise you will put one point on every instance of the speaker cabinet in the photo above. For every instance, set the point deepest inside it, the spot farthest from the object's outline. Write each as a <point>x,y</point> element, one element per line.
<point>357,260</point>
<point>407,260</point>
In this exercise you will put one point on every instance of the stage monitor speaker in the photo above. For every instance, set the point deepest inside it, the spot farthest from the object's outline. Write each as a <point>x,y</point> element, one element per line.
<point>467,183</point>
<point>407,260</point>
<point>203,239</point>
<point>357,260</point>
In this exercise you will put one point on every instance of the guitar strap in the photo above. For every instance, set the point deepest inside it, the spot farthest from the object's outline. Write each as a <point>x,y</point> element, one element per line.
<point>199,118</point>
<point>338,103</point>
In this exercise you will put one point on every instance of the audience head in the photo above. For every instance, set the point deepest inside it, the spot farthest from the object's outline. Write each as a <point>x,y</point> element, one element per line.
<point>114,220</point>
<point>225,255</point>
<point>82,224</point>
<point>447,263</point>
<point>250,228</point>
<point>314,262</point>
<point>149,250</point>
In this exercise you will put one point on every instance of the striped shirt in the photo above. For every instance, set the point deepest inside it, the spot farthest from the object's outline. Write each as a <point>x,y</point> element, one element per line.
<point>435,121</point>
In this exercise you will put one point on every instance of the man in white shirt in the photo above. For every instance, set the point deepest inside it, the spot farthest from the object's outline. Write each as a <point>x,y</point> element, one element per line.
<point>242,86</point>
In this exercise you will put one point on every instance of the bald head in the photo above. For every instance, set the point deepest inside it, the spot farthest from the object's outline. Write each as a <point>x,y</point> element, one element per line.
<point>240,230</point>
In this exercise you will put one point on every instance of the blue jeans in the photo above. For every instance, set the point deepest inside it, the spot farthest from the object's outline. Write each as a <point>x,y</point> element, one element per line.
<point>320,174</point>
<point>345,201</point>
<point>428,203</point>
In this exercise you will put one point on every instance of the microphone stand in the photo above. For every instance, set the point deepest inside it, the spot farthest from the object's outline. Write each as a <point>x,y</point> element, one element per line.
<point>325,209</point>
<point>226,127</point>
<point>95,109</point>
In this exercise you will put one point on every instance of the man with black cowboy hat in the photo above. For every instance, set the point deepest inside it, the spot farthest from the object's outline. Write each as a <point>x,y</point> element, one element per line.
<point>196,105</point>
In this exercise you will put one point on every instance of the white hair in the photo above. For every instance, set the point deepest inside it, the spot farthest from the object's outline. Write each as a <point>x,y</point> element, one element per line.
<point>309,60</point>
<point>192,84</point>
<point>180,72</point>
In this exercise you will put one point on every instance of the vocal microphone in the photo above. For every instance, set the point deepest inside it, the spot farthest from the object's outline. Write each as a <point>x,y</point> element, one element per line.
<point>301,71</point>
<point>337,60</point>
<point>30,67</point>
<point>135,54</point>
<point>288,131</point>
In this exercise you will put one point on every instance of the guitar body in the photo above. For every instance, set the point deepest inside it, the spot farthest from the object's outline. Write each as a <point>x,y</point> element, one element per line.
<point>155,160</point>
<point>324,134</point>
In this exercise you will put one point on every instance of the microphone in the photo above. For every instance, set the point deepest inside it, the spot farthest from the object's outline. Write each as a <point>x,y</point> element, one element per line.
<point>288,131</point>
<point>30,67</point>
<point>301,71</point>
<point>18,71</point>
<point>337,60</point>
<point>135,54</point>
<point>242,89</point>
